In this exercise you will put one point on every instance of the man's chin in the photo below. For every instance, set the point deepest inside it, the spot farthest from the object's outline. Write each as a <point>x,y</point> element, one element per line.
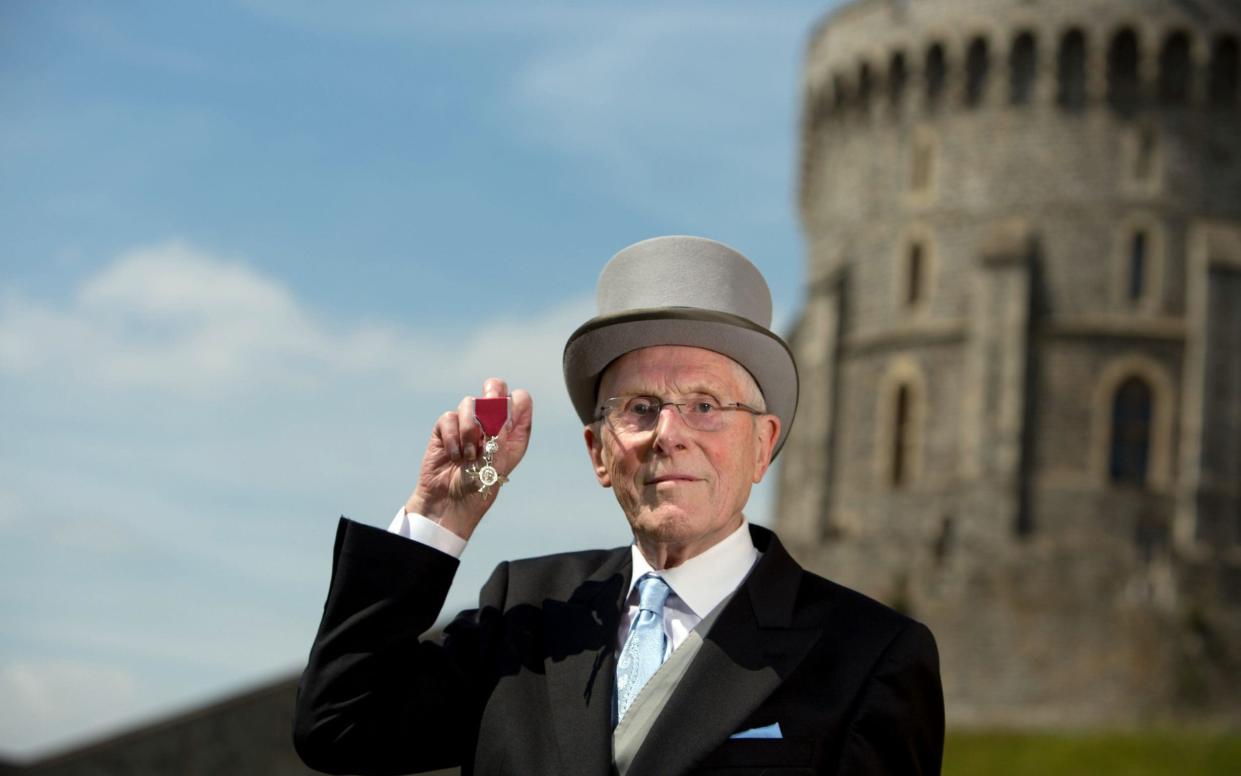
<point>668,522</point>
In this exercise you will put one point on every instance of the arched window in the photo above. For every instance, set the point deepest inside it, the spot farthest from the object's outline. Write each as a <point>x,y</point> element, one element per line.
<point>902,434</point>
<point>898,75</point>
<point>977,67</point>
<point>1224,76</point>
<point>1123,84</point>
<point>1138,248</point>
<point>865,85</point>
<point>1174,69</point>
<point>936,75</point>
<point>1022,68</point>
<point>1131,432</point>
<point>915,267</point>
<point>1071,70</point>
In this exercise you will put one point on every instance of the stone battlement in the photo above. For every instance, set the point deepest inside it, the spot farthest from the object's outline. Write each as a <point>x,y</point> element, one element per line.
<point>1021,342</point>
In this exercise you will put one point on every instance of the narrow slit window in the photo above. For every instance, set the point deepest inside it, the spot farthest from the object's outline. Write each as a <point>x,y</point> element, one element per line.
<point>977,71</point>
<point>1224,75</point>
<point>900,438</point>
<point>914,268</point>
<point>936,75</point>
<point>1022,68</point>
<point>898,75</point>
<point>1131,430</point>
<point>1071,70</point>
<point>1175,70</point>
<point>1137,265</point>
<point>1123,85</point>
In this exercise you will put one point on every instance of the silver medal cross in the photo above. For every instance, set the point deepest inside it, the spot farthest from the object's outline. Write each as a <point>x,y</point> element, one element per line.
<point>487,475</point>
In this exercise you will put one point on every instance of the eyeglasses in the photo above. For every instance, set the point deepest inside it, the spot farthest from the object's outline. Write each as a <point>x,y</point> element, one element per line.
<point>637,414</point>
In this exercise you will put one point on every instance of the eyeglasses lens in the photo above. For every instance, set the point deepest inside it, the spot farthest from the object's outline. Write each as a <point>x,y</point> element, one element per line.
<point>642,414</point>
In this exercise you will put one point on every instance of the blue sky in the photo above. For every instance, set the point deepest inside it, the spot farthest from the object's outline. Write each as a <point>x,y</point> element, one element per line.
<point>252,250</point>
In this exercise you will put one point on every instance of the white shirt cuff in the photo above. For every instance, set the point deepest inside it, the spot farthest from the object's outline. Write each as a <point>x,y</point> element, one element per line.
<point>414,526</point>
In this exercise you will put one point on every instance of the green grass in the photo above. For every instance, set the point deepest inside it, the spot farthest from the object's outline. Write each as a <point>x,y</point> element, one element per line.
<point>1148,753</point>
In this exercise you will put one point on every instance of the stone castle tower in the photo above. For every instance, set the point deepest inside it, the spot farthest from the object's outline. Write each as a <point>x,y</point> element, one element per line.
<point>1020,346</point>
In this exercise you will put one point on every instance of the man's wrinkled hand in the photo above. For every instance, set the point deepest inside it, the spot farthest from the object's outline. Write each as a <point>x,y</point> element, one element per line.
<point>446,493</point>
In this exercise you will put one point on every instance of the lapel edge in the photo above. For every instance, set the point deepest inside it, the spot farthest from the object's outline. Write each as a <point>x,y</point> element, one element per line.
<point>580,684</point>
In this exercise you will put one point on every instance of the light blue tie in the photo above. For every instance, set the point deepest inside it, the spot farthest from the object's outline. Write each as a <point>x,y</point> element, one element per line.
<point>644,649</point>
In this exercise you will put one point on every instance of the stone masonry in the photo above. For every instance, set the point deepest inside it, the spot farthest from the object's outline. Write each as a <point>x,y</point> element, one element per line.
<point>1020,346</point>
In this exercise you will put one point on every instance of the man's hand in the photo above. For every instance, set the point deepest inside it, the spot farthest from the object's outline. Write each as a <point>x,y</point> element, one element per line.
<point>445,493</point>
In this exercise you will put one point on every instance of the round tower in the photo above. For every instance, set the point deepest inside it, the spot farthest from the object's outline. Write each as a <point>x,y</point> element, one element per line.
<point>1021,345</point>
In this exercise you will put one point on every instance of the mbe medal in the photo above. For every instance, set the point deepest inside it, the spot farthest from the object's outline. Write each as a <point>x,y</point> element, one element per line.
<point>491,415</point>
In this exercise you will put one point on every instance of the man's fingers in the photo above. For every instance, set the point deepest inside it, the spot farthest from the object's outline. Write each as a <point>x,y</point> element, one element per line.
<point>523,410</point>
<point>494,387</point>
<point>462,436</point>
<point>468,427</point>
<point>448,430</point>
<point>518,436</point>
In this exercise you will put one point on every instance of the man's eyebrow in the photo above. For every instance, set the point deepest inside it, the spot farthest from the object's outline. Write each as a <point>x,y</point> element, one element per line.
<point>699,390</point>
<point>693,389</point>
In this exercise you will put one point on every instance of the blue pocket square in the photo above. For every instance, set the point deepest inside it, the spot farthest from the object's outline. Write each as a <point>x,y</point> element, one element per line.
<point>766,731</point>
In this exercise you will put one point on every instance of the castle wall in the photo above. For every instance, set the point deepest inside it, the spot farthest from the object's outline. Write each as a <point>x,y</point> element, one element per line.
<point>991,259</point>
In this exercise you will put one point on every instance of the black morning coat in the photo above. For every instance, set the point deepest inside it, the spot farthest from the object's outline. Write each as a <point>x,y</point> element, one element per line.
<point>523,684</point>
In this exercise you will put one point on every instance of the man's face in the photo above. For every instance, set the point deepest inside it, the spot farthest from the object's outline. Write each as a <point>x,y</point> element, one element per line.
<point>681,489</point>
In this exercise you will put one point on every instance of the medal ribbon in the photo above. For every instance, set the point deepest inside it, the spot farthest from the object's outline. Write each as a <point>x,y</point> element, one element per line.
<point>491,414</point>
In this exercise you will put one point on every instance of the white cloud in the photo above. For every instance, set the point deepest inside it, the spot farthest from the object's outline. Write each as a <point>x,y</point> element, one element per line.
<point>175,280</point>
<point>172,376</point>
<point>167,316</point>
<point>182,431</point>
<point>175,318</point>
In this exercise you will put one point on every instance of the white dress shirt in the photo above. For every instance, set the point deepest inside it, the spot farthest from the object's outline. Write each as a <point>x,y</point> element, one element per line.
<point>698,585</point>
<point>423,530</point>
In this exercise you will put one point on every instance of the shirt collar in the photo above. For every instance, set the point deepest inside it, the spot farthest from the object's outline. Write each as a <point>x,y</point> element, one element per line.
<point>705,580</point>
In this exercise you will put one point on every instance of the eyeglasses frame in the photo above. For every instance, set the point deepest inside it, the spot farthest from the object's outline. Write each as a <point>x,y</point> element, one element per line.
<point>606,407</point>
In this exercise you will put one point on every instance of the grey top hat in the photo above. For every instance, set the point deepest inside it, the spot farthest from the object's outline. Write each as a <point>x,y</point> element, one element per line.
<point>682,291</point>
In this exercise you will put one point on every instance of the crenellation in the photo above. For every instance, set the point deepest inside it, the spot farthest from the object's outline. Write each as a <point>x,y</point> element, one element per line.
<point>1023,312</point>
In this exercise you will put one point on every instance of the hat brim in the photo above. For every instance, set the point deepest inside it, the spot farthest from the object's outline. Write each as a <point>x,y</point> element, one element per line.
<point>602,340</point>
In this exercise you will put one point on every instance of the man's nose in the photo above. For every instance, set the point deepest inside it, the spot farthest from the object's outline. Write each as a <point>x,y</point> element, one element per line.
<point>670,428</point>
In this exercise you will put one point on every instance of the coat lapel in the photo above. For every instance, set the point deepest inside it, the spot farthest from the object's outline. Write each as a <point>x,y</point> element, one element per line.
<point>579,639</point>
<point>756,642</point>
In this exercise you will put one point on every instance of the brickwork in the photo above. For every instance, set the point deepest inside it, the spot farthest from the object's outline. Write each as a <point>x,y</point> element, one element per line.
<point>1023,221</point>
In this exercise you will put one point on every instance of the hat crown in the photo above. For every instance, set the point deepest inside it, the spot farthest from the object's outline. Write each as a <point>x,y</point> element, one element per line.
<point>682,271</point>
<point>690,292</point>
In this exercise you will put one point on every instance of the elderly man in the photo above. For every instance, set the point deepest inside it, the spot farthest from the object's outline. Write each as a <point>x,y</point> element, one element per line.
<point>701,648</point>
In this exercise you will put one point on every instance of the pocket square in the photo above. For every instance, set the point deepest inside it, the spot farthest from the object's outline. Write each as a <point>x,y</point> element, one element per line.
<point>766,731</point>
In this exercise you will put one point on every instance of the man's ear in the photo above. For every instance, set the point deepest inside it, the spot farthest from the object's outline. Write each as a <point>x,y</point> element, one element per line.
<point>766,432</point>
<point>594,446</point>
